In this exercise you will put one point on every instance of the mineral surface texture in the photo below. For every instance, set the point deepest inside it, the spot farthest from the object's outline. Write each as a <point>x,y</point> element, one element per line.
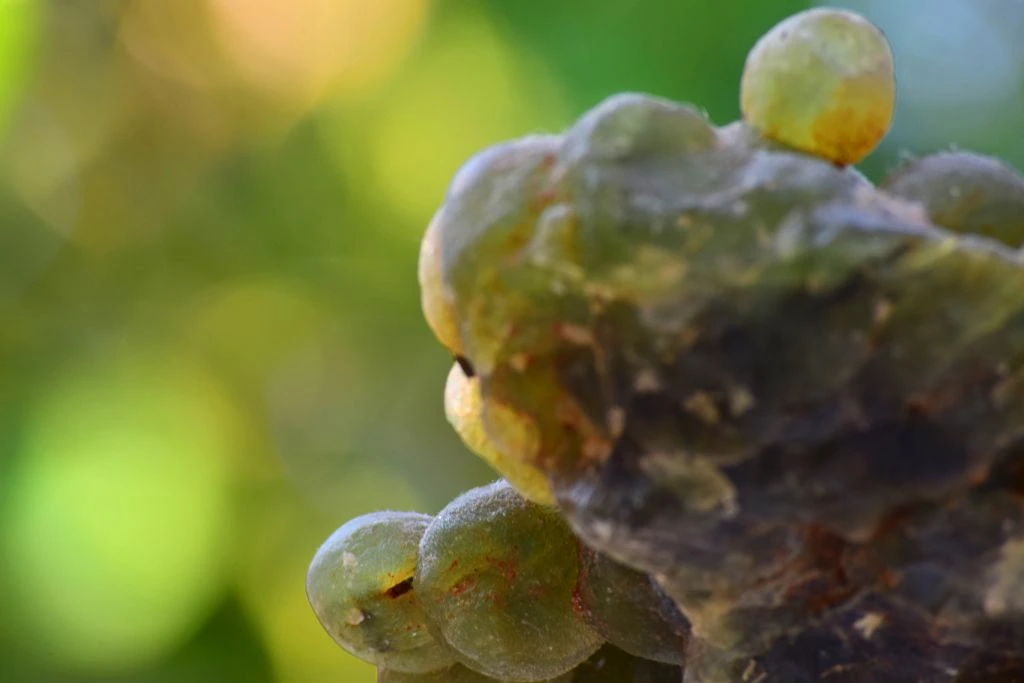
<point>794,399</point>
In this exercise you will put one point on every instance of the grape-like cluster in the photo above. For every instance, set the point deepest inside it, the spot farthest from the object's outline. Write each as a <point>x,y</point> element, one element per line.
<point>495,587</point>
<point>760,419</point>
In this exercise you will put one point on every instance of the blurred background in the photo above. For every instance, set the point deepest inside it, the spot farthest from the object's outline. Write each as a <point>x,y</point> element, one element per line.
<point>211,347</point>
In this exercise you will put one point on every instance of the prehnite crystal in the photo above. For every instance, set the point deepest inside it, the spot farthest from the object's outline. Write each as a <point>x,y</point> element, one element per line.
<point>765,419</point>
<point>793,398</point>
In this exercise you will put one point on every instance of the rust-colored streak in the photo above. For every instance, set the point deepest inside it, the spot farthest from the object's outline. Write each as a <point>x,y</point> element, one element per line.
<point>507,568</point>
<point>461,587</point>
<point>824,547</point>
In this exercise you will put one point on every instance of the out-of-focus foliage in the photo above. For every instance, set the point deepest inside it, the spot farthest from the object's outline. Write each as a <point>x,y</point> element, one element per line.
<point>19,23</point>
<point>211,347</point>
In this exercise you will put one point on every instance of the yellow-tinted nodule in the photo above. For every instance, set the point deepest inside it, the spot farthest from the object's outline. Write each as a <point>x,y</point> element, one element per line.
<point>464,408</point>
<point>821,82</point>
<point>437,307</point>
<point>360,585</point>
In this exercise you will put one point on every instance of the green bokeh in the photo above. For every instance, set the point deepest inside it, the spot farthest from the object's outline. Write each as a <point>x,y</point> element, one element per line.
<point>119,518</point>
<point>211,347</point>
<point>19,23</point>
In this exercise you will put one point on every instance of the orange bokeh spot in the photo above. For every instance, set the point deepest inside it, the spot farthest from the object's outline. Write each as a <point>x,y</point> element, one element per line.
<point>306,49</point>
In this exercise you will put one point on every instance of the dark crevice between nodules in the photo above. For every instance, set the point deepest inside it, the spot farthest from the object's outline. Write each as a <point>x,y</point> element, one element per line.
<point>399,589</point>
<point>465,366</point>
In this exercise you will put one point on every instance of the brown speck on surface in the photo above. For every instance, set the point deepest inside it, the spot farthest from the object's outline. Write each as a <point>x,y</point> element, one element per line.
<point>596,449</point>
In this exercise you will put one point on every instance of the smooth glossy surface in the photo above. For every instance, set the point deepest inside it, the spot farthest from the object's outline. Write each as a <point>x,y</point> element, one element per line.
<point>360,585</point>
<point>757,377</point>
<point>629,610</point>
<point>507,441</point>
<point>823,82</point>
<point>497,575</point>
<point>966,192</point>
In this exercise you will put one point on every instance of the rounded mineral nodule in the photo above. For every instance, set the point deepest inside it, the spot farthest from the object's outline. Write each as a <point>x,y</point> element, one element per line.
<point>784,393</point>
<point>628,609</point>
<point>633,125</point>
<point>822,82</point>
<point>966,192</point>
<point>484,223</point>
<point>512,459</point>
<point>360,585</point>
<point>496,575</point>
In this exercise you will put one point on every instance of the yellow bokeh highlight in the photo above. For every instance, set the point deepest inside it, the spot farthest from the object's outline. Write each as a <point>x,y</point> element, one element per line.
<point>466,89</point>
<point>257,66</point>
<point>173,40</point>
<point>117,520</point>
<point>304,49</point>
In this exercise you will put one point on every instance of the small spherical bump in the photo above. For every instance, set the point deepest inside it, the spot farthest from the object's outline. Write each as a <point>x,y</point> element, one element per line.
<point>497,576</point>
<point>485,220</point>
<point>821,82</point>
<point>360,585</point>
<point>630,611</point>
<point>464,410</point>
<point>965,192</point>
<point>630,125</point>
